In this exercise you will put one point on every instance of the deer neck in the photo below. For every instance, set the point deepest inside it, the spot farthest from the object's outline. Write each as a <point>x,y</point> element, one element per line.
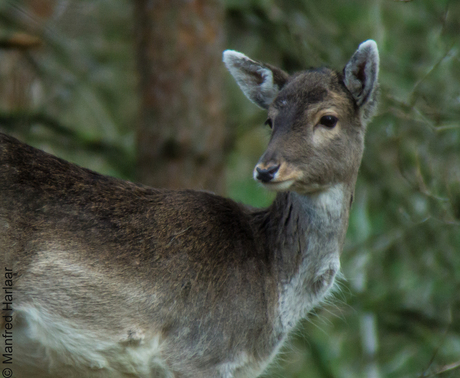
<point>307,235</point>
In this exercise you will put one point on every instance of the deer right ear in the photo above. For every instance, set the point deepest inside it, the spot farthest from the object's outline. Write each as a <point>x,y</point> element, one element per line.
<point>259,82</point>
<point>361,76</point>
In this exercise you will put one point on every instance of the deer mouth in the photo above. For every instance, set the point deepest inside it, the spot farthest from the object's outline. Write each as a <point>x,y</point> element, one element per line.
<point>279,185</point>
<point>277,177</point>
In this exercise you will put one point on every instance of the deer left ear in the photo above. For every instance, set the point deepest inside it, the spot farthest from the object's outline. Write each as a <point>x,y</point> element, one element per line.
<point>361,75</point>
<point>260,82</point>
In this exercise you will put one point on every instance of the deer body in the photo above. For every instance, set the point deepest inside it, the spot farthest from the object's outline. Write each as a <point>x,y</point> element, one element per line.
<point>114,279</point>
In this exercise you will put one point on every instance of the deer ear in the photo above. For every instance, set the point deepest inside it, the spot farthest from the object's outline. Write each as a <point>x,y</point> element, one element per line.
<point>259,82</point>
<point>361,75</point>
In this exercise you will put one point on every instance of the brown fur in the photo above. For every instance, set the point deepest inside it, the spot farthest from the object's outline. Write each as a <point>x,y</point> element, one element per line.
<point>189,283</point>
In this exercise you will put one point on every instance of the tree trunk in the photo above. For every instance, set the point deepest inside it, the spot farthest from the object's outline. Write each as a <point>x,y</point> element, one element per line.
<point>181,132</point>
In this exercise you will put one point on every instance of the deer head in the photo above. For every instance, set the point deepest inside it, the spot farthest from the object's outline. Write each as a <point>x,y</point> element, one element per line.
<point>317,117</point>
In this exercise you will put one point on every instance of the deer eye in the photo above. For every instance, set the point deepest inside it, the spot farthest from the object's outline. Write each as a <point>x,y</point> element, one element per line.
<point>328,121</point>
<point>269,123</point>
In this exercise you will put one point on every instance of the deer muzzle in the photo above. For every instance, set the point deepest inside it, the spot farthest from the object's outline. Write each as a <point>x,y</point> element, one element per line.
<point>266,174</point>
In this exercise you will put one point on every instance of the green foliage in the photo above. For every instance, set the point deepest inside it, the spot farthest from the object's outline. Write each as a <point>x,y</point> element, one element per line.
<point>79,85</point>
<point>396,313</point>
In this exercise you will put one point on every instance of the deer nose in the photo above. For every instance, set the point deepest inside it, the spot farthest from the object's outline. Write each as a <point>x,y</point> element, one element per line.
<point>266,174</point>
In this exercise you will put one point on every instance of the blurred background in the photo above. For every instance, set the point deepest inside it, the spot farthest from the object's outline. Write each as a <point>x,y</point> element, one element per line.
<point>137,89</point>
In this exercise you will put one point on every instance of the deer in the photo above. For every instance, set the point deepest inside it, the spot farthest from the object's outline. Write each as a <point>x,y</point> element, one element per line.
<point>107,278</point>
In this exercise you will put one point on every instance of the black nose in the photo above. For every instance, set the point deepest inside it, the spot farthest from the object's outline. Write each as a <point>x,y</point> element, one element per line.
<point>266,175</point>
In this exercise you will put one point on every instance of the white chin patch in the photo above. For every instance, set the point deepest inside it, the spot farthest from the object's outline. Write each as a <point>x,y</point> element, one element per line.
<point>278,186</point>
